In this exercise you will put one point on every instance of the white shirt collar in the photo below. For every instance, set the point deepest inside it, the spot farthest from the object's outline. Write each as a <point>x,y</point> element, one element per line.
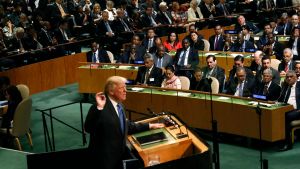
<point>115,104</point>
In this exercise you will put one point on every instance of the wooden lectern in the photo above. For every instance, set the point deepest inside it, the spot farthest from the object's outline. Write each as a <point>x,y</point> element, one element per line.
<point>177,144</point>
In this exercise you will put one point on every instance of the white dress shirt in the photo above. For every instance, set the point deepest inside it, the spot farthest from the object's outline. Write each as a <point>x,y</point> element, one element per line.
<point>292,98</point>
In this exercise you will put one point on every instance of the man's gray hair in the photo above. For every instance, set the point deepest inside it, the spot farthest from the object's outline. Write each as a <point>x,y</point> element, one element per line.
<point>268,71</point>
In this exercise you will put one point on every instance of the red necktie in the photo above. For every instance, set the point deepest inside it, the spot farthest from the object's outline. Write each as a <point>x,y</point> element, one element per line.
<point>286,67</point>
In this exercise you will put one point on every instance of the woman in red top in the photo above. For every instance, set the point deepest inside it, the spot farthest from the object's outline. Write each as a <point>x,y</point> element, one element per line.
<point>172,44</point>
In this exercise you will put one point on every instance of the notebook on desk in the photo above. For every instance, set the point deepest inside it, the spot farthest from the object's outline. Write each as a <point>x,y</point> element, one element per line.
<point>150,139</point>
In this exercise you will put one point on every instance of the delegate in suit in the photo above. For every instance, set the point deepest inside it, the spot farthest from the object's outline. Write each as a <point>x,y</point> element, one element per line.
<point>108,126</point>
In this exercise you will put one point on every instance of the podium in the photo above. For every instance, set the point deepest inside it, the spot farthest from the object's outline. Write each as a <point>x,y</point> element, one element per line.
<point>175,145</point>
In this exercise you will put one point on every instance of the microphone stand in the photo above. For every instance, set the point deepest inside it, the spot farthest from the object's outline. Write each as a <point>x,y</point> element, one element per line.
<point>263,162</point>
<point>214,125</point>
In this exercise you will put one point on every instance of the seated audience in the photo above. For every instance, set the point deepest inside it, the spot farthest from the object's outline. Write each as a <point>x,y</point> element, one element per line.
<point>162,59</point>
<point>97,54</point>
<point>290,95</point>
<point>171,80</point>
<point>172,43</point>
<point>196,42</point>
<point>217,40</point>
<point>213,70</point>
<point>256,63</point>
<point>241,86</point>
<point>13,97</point>
<point>198,83</point>
<point>239,62</point>
<point>287,63</point>
<point>186,59</point>
<point>266,64</point>
<point>294,43</point>
<point>273,47</point>
<point>149,74</point>
<point>242,45</point>
<point>268,88</point>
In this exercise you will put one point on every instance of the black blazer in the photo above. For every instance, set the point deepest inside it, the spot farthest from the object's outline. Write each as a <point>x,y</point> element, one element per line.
<point>237,47</point>
<point>205,12</point>
<point>252,27</point>
<point>140,52</point>
<point>232,72</point>
<point>102,28</point>
<point>281,66</point>
<point>193,58</point>
<point>212,43</point>
<point>218,73</point>
<point>117,25</point>
<point>161,18</point>
<point>247,90</point>
<point>155,77</point>
<point>284,90</point>
<point>107,143</point>
<point>273,91</point>
<point>202,85</point>
<point>254,66</point>
<point>102,56</point>
<point>220,9</point>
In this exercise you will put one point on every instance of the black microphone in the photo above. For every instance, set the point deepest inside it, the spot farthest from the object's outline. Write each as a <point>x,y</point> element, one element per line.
<point>152,112</point>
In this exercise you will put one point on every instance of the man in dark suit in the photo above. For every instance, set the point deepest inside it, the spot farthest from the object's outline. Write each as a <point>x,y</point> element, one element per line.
<point>57,12</point>
<point>133,55</point>
<point>208,11</point>
<point>266,64</point>
<point>241,85</point>
<point>268,88</point>
<point>216,41</point>
<point>108,127</point>
<point>263,39</point>
<point>294,43</point>
<point>285,24</point>
<point>198,83</point>
<point>186,59</point>
<point>148,19</point>
<point>122,26</point>
<point>161,58</point>
<point>290,94</point>
<point>242,45</point>
<point>148,42</point>
<point>273,47</point>
<point>287,63</point>
<point>239,62</point>
<point>276,28</point>
<point>223,9</point>
<point>256,63</point>
<point>149,75</point>
<point>241,21</point>
<point>213,70</point>
<point>163,15</point>
<point>97,54</point>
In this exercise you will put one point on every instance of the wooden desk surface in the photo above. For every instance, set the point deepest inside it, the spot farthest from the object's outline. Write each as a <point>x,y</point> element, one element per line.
<point>234,115</point>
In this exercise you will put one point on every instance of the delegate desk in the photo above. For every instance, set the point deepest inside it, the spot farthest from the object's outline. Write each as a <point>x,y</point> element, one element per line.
<point>234,115</point>
<point>92,77</point>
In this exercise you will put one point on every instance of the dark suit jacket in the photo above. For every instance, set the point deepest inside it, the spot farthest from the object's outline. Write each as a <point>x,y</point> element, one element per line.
<point>212,43</point>
<point>273,93</point>
<point>254,66</point>
<point>102,56</point>
<point>237,47</point>
<point>107,143</point>
<point>54,13</point>
<point>284,90</point>
<point>193,58</point>
<point>263,40</point>
<point>102,28</point>
<point>232,72</point>
<point>60,37</point>
<point>252,27</point>
<point>202,85</point>
<point>155,77</point>
<point>167,60</point>
<point>161,18</point>
<point>288,29</point>
<point>218,73</point>
<point>199,45</point>
<point>45,38</point>
<point>277,50</point>
<point>278,30</point>
<point>146,22</point>
<point>205,12</point>
<point>117,25</point>
<point>220,9</point>
<point>281,66</point>
<point>247,90</point>
<point>140,52</point>
<point>276,76</point>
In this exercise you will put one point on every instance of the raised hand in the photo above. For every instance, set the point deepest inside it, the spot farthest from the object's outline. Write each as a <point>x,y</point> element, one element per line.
<point>101,100</point>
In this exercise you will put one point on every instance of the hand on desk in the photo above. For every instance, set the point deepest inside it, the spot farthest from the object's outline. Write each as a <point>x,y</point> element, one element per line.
<point>156,125</point>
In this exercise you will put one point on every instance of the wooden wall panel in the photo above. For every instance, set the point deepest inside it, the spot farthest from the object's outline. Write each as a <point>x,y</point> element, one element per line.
<point>53,73</point>
<point>29,75</point>
<point>71,64</point>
